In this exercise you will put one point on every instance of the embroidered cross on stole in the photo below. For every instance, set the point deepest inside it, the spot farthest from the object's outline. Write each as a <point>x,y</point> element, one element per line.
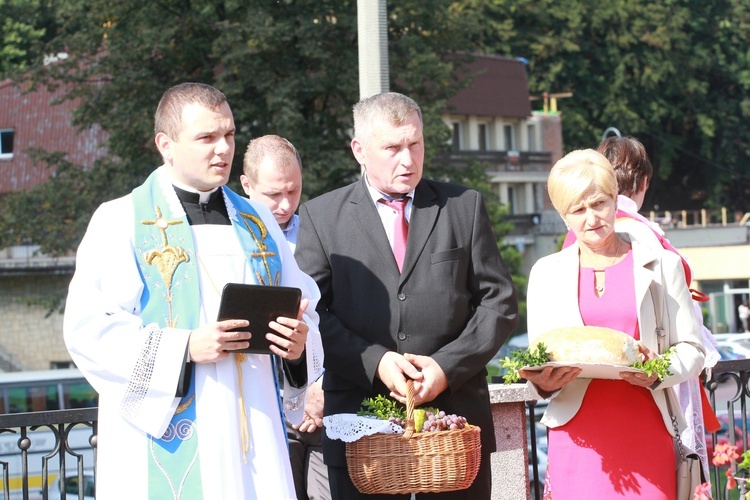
<point>166,256</point>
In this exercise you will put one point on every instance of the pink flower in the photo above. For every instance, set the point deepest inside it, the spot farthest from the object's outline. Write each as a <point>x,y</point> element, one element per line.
<point>725,453</point>
<point>731,481</point>
<point>702,492</point>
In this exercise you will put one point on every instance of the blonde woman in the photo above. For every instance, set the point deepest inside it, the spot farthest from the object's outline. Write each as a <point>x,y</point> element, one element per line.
<point>609,438</point>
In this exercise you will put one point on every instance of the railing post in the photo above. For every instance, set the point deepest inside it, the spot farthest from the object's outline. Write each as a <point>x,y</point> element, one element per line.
<point>510,463</point>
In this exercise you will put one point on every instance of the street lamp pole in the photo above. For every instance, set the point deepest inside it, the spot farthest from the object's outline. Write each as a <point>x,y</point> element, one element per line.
<point>372,33</point>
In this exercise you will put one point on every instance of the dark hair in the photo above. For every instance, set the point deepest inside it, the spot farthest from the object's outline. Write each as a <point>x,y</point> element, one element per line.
<point>630,161</point>
<point>168,116</point>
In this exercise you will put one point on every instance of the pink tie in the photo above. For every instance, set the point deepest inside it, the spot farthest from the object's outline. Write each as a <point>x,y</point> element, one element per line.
<point>400,229</point>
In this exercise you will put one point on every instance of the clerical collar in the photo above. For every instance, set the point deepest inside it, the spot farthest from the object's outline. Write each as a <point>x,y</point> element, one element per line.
<point>211,211</point>
<point>203,196</point>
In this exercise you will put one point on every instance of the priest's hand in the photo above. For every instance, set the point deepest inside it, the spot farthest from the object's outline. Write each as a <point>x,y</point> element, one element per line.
<point>290,344</point>
<point>212,342</point>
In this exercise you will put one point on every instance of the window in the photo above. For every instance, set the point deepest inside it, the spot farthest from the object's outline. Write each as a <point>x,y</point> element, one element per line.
<point>483,137</point>
<point>79,395</point>
<point>456,136</point>
<point>509,136</point>
<point>6,144</point>
<point>60,365</point>
<point>531,130</point>
<point>35,398</point>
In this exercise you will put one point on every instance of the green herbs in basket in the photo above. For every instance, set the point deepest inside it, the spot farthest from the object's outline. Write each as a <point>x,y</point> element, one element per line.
<point>524,357</point>
<point>382,407</point>
<point>426,419</point>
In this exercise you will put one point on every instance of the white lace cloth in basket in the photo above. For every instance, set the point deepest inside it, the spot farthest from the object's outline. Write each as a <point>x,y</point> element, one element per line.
<point>349,427</point>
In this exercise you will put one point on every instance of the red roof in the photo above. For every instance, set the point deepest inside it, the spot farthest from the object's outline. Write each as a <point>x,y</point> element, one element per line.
<point>36,122</point>
<point>500,89</point>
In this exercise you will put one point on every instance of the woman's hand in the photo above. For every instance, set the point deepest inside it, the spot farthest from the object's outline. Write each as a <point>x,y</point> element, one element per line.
<point>641,379</point>
<point>551,379</point>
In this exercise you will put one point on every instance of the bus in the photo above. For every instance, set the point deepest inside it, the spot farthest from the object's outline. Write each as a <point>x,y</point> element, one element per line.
<point>44,390</point>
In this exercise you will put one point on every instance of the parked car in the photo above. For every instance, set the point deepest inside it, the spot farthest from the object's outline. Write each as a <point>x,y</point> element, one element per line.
<point>731,337</point>
<point>72,487</point>
<point>722,435</point>
<point>728,351</point>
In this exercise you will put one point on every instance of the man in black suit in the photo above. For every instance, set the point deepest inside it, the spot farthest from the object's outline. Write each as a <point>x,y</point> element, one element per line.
<point>437,317</point>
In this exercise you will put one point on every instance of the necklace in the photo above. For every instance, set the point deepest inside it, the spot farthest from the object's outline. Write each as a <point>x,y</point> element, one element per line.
<point>600,287</point>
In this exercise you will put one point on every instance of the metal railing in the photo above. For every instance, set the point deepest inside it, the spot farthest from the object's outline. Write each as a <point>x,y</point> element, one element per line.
<point>729,381</point>
<point>37,449</point>
<point>731,377</point>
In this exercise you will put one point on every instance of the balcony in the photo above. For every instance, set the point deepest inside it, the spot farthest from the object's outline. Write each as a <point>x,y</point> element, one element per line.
<point>503,161</point>
<point>40,450</point>
<point>26,259</point>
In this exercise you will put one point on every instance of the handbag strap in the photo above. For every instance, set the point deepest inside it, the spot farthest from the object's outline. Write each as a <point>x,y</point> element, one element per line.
<point>661,336</point>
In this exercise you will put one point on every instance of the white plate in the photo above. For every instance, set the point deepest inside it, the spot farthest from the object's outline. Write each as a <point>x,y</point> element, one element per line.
<point>590,370</point>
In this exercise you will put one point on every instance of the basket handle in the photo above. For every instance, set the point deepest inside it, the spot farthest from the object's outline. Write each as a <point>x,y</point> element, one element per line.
<point>409,431</point>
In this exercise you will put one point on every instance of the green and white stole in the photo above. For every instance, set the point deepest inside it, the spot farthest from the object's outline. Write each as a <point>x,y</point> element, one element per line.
<point>166,254</point>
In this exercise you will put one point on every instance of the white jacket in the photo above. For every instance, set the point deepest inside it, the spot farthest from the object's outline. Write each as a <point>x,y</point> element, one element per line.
<point>552,302</point>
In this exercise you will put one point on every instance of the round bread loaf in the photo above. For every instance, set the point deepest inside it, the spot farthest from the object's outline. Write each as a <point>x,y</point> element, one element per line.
<point>589,344</point>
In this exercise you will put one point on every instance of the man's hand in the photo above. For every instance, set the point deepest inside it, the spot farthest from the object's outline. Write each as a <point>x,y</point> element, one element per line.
<point>433,380</point>
<point>291,344</point>
<point>212,342</point>
<point>393,370</point>
<point>313,418</point>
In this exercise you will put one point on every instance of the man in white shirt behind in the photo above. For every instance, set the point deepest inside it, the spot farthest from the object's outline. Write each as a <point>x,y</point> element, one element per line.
<point>272,175</point>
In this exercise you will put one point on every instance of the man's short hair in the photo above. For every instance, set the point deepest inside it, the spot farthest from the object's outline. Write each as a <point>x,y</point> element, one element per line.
<point>168,116</point>
<point>282,151</point>
<point>391,107</point>
<point>630,161</point>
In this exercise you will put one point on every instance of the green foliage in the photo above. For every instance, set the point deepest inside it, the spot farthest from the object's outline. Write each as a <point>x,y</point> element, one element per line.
<point>658,365</point>
<point>382,407</point>
<point>674,74</point>
<point>54,213</point>
<point>524,357</point>
<point>24,24</point>
<point>288,68</point>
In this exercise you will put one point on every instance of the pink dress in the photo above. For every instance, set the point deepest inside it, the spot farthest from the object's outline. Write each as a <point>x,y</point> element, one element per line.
<point>616,446</point>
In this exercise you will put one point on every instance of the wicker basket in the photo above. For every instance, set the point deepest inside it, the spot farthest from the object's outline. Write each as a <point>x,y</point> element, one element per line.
<point>412,462</point>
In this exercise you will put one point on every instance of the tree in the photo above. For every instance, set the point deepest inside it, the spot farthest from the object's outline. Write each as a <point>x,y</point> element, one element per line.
<point>23,23</point>
<point>673,74</point>
<point>287,67</point>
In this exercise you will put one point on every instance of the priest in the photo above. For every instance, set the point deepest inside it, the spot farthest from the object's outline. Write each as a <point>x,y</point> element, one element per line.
<point>182,414</point>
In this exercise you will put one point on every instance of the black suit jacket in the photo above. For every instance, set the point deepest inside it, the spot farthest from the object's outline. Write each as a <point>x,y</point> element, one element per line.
<point>454,301</point>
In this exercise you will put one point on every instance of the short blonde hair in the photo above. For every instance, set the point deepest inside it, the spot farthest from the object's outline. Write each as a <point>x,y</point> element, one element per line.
<point>576,174</point>
<point>283,152</point>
